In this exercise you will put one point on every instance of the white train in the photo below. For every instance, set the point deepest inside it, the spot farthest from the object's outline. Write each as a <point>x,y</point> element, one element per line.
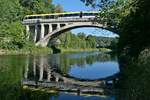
<point>85,14</point>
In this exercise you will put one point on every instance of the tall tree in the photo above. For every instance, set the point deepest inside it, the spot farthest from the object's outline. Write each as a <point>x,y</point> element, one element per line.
<point>37,6</point>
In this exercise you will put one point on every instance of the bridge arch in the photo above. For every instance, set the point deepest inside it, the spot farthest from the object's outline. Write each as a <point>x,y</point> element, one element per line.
<point>44,42</point>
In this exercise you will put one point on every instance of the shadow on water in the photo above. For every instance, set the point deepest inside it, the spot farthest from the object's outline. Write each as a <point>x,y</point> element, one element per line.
<point>134,81</point>
<point>55,50</point>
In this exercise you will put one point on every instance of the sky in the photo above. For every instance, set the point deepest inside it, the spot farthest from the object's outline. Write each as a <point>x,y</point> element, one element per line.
<point>77,5</point>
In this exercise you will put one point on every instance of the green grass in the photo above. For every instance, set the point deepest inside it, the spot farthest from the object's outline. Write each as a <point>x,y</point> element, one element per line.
<point>63,50</point>
<point>36,50</point>
<point>104,50</point>
<point>46,50</point>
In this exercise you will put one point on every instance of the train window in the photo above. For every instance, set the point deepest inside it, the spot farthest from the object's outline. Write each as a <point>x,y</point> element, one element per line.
<point>30,17</point>
<point>26,18</point>
<point>96,13</point>
<point>52,16</point>
<point>47,16</point>
<point>66,15</point>
<point>76,14</point>
<point>34,17</point>
<point>71,15</point>
<point>60,15</point>
<point>38,17</point>
<point>56,16</point>
<point>86,14</point>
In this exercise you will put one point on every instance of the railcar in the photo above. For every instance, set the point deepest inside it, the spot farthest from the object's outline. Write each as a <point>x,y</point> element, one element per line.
<point>81,14</point>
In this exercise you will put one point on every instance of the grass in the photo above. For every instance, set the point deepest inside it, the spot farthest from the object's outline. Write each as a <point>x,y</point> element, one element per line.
<point>104,50</point>
<point>37,50</point>
<point>46,50</point>
<point>63,50</point>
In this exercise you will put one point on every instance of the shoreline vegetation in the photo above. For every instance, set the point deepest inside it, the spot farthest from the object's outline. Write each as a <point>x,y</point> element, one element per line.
<point>26,51</point>
<point>46,50</point>
<point>63,50</point>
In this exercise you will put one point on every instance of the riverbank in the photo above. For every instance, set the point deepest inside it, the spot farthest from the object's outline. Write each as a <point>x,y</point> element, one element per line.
<point>37,50</point>
<point>40,50</point>
<point>104,50</point>
<point>64,50</point>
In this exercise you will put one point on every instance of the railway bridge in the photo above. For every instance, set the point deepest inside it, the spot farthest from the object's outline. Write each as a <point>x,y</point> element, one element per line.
<point>41,28</point>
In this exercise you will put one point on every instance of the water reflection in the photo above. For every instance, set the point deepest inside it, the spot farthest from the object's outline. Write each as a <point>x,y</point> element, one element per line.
<point>133,84</point>
<point>39,74</point>
<point>60,71</point>
<point>86,65</point>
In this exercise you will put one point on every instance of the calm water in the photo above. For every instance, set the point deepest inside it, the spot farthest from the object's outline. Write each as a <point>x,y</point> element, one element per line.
<point>14,70</point>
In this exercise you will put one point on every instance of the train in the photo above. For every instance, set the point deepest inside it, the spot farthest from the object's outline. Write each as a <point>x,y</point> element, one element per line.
<point>80,14</point>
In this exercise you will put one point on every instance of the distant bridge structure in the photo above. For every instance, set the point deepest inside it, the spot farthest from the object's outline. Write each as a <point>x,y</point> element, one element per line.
<point>41,27</point>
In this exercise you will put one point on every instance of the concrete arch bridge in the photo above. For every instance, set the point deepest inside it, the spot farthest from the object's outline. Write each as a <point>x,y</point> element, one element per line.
<point>40,28</point>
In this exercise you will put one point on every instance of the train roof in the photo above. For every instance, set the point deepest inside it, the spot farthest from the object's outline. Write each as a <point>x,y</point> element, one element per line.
<point>62,13</point>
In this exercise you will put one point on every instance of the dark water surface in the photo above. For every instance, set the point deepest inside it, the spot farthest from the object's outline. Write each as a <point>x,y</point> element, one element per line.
<point>39,68</point>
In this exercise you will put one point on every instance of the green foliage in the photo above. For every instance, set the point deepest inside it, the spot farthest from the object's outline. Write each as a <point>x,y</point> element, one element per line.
<point>58,9</point>
<point>10,11</point>
<point>128,18</point>
<point>135,28</point>
<point>104,42</point>
<point>79,41</point>
<point>12,32</point>
<point>10,75</point>
<point>134,82</point>
<point>13,37</point>
<point>37,6</point>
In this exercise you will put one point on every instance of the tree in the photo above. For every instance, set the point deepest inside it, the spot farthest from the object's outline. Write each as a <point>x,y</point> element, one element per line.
<point>135,28</point>
<point>58,9</point>
<point>11,29</point>
<point>37,6</point>
<point>81,35</point>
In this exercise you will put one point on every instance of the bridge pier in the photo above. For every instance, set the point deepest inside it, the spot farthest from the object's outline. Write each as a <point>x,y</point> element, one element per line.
<point>57,79</point>
<point>58,26</point>
<point>50,28</point>
<point>42,31</point>
<point>27,32</point>
<point>35,33</point>
<point>49,76</point>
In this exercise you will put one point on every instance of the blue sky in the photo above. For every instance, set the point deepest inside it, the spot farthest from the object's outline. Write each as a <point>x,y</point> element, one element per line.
<point>77,5</point>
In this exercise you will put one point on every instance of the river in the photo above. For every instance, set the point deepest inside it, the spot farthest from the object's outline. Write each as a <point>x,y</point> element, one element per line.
<point>67,76</point>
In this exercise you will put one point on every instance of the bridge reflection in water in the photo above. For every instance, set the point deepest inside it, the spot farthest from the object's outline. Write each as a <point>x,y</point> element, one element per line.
<point>44,72</point>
